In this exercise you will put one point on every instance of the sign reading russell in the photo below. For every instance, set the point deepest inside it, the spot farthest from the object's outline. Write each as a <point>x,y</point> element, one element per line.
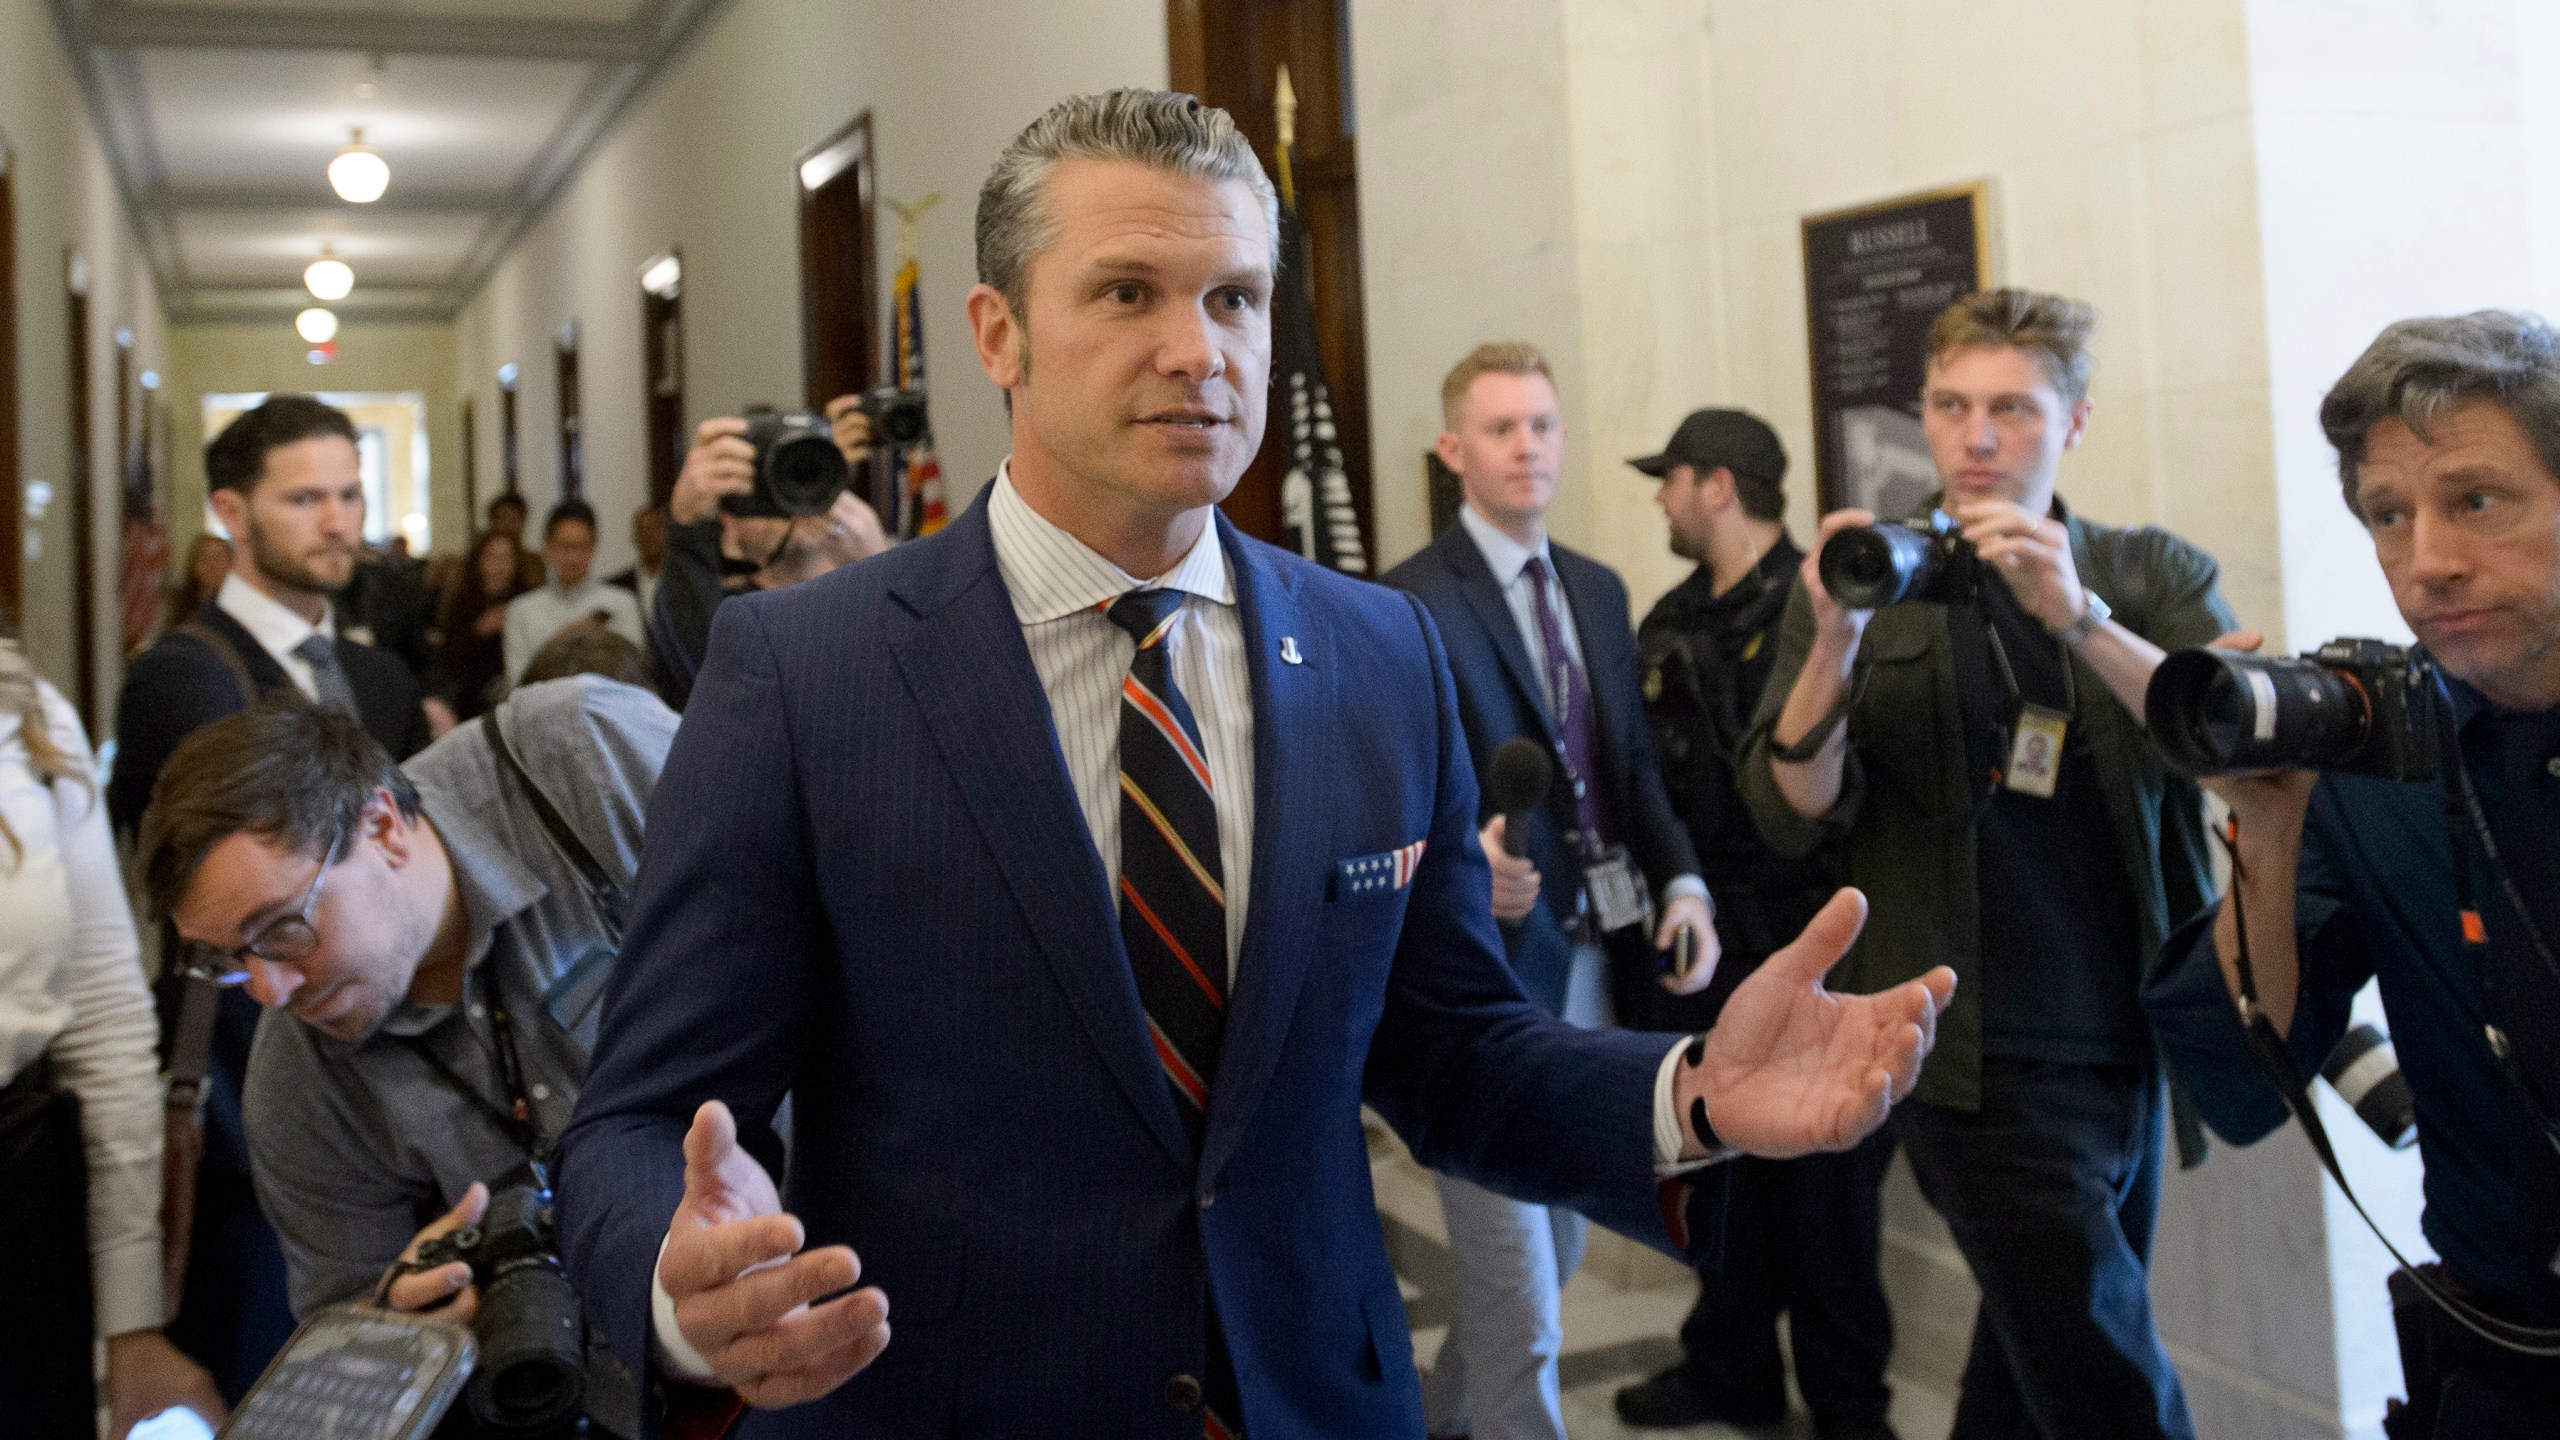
<point>1874,277</point>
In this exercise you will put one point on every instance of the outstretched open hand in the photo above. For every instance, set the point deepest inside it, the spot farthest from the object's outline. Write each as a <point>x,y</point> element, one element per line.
<point>1792,1068</point>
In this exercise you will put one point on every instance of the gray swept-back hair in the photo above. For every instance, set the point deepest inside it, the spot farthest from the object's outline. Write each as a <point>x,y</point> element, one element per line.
<point>1159,129</point>
<point>2416,371</point>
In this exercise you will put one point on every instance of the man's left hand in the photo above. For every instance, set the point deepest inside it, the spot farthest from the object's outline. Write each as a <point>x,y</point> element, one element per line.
<point>146,1375</point>
<point>1690,912</point>
<point>2032,552</point>
<point>852,428</point>
<point>1791,1068</point>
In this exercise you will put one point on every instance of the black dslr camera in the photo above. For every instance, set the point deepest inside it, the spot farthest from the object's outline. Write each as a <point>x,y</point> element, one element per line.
<point>897,414</point>
<point>2358,707</point>
<point>1922,558</point>
<point>798,469</point>
<point>532,1374</point>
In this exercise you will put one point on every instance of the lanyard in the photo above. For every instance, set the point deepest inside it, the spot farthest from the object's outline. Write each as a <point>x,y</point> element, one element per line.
<point>515,1118</point>
<point>2462,805</point>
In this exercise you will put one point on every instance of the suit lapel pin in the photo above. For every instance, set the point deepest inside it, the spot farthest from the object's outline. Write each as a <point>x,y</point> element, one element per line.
<point>1289,651</point>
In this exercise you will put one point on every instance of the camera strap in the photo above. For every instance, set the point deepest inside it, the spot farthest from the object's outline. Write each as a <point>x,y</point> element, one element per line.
<point>514,1119</point>
<point>2277,1059</point>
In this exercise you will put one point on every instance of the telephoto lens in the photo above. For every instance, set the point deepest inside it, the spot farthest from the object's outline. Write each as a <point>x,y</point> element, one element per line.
<point>2354,706</point>
<point>2365,1071</point>
<point>1869,566</point>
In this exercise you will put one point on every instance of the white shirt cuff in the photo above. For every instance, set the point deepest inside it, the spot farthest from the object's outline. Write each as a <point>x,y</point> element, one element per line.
<point>1688,885</point>
<point>1667,1136</point>
<point>676,1356</point>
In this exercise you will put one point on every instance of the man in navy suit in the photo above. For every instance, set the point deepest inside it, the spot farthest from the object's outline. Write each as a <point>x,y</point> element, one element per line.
<point>1539,645</point>
<point>1078,872</point>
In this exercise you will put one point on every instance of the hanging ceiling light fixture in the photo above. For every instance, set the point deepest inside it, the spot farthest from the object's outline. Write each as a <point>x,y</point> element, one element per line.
<point>318,325</point>
<point>358,174</point>
<point>328,277</point>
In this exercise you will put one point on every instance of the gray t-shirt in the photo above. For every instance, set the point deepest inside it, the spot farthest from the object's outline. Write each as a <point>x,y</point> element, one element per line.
<point>355,1148</point>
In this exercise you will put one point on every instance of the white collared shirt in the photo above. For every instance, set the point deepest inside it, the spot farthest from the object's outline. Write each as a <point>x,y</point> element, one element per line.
<point>537,615</point>
<point>1060,587</point>
<point>276,629</point>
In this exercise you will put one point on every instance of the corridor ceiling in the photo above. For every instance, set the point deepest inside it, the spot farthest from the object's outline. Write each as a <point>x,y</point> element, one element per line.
<point>221,117</point>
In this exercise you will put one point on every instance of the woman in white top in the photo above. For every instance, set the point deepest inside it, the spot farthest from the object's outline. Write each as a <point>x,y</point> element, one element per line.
<point>72,991</point>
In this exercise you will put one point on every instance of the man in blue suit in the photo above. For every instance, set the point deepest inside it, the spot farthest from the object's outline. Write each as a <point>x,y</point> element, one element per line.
<point>1078,872</point>
<point>1539,646</point>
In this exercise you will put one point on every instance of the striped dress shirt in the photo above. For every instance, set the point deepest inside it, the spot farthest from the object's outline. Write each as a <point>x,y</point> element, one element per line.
<point>1060,588</point>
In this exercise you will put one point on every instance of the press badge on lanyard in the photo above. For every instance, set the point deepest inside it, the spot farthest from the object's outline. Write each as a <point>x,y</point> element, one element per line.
<point>2035,751</point>
<point>1618,897</point>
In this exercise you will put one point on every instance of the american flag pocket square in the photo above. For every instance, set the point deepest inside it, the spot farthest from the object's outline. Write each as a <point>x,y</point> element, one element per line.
<point>1376,874</point>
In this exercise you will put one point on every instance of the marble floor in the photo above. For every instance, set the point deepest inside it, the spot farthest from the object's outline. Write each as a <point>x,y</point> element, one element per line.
<point>1620,1314</point>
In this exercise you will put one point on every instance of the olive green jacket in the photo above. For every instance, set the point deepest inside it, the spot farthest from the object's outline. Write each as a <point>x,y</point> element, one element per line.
<point>1905,814</point>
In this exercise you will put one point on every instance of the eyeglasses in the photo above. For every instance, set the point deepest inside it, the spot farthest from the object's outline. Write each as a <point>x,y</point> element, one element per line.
<point>286,941</point>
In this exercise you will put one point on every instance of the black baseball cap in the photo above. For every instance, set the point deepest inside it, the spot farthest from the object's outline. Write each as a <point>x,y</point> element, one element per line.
<point>1735,439</point>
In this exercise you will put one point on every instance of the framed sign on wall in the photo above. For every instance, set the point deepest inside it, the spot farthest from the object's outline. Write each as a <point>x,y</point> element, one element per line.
<point>1874,278</point>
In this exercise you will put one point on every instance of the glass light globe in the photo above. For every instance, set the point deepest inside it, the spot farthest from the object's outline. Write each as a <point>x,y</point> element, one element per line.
<point>317,325</point>
<point>359,175</point>
<point>329,278</point>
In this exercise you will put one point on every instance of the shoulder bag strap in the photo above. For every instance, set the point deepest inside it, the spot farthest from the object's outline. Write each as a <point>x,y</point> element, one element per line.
<point>229,654</point>
<point>611,901</point>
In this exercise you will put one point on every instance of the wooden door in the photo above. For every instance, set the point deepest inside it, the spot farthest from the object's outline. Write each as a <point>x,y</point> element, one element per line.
<point>840,280</point>
<point>662,370</point>
<point>13,545</point>
<point>1229,53</point>
<point>83,485</point>
<point>573,448</point>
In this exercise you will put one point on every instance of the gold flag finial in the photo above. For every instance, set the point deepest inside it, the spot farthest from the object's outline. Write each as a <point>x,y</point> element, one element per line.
<point>910,222</point>
<point>1284,111</point>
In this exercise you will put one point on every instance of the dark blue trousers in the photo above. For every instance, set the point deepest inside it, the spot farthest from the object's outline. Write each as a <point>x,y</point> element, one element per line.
<point>2052,1190</point>
<point>1800,1239</point>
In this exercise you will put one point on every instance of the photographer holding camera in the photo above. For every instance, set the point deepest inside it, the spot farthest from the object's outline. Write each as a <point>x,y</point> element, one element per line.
<point>1976,747</point>
<point>733,528</point>
<point>431,942</point>
<point>2427,856</point>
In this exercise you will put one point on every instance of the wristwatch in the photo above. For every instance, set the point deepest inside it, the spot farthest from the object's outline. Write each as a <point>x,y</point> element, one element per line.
<point>2092,615</point>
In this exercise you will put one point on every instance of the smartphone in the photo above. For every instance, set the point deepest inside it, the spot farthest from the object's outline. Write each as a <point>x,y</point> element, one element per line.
<point>1682,956</point>
<point>356,1373</point>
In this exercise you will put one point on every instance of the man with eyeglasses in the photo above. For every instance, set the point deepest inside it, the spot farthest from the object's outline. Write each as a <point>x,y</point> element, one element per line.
<point>430,945</point>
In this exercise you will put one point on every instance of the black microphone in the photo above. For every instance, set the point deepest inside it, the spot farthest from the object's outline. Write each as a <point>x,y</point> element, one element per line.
<point>1518,783</point>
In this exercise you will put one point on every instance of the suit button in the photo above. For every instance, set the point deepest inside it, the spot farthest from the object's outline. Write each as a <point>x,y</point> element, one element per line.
<point>1182,1395</point>
<point>1208,1197</point>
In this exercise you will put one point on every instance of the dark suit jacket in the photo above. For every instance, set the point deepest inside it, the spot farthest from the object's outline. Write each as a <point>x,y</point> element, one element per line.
<point>868,884</point>
<point>179,685</point>
<point>1499,697</point>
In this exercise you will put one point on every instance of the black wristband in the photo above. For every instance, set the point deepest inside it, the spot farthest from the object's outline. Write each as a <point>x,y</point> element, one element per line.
<point>1813,740</point>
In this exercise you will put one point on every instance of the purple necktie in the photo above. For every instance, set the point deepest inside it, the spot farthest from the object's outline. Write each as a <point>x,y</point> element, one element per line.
<point>1572,697</point>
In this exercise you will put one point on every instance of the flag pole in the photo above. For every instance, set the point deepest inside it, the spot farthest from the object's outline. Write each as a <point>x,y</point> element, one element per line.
<point>1284,111</point>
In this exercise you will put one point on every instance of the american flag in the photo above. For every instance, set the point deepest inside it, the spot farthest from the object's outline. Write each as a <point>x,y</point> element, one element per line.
<point>915,471</point>
<point>1315,496</point>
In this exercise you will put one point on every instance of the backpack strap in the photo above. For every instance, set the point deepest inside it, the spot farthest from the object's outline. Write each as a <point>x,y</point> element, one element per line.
<point>611,901</point>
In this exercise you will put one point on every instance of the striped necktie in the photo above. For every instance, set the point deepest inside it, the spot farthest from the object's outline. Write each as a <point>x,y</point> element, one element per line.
<point>1173,899</point>
<point>1173,918</point>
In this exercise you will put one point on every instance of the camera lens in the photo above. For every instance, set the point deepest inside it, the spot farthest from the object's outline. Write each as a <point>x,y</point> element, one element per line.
<point>804,474</point>
<point>902,422</point>
<point>532,1372</point>
<point>1875,565</point>
<point>2214,713</point>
